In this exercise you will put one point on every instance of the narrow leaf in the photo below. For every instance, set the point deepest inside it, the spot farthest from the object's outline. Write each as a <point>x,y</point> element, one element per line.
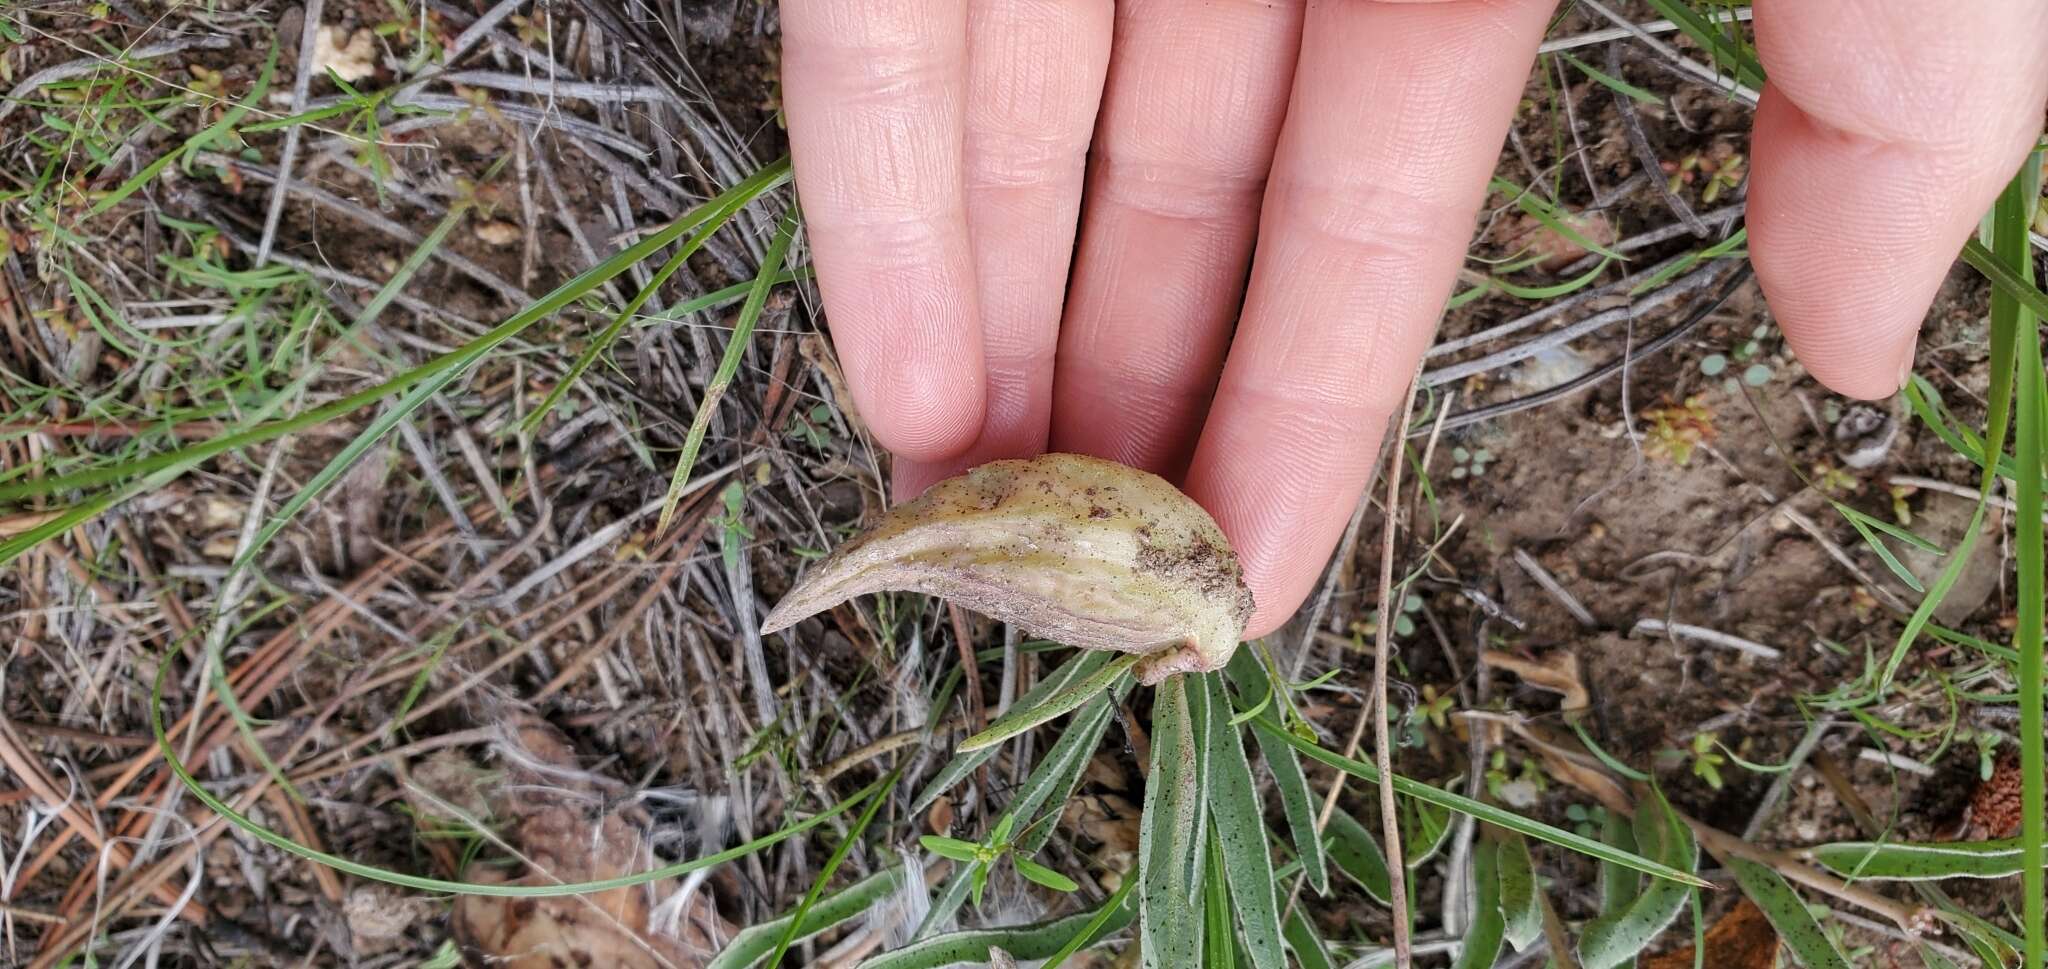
<point>1172,835</point>
<point>1240,828</point>
<point>1284,765</point>
<point>1900,861</point>
<point>1479,810</point>
<point>1057,705</point>
<point>1039,940</point>
<point>1788,914</point>
<point>1357,854</point>
<point>754,943</point>
<point>963,764</point>
<point>1520,909</point>
<point>1483,938</point>
<point>1614,940</point>
<point>1306,943</point>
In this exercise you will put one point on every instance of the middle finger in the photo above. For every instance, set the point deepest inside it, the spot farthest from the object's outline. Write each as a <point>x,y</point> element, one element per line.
<point>1196,94</point>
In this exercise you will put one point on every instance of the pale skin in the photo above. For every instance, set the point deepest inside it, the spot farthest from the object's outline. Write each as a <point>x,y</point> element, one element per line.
<point>943,149</point>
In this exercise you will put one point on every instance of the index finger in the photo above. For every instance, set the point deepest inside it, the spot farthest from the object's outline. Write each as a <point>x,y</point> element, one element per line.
<point>873,91</point>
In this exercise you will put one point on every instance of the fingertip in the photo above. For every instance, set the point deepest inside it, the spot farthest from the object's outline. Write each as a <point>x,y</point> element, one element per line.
<point>923,413</point>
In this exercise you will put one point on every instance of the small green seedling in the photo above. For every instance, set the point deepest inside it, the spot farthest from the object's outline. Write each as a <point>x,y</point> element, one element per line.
<point>1404,621</point>
<point>1470,463</point>
<point>984,855</point>
<point>732,525</point>
<point>1706,761</point>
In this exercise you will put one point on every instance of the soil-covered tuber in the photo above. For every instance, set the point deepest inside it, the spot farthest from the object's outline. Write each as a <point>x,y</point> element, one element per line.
<point>1075,549</point>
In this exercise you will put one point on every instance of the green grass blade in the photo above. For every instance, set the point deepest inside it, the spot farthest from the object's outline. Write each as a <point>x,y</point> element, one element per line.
<point>1521,910</point>
<point>803,909</point>
<point>1037,941</point>
<point>1788,914</point>
<point>707,223</point>
<point>1172,830</point>
<point>1484,812</point>
<point>1284,765</point>
<point>1907,861</point>
<point>754,943</point>
<point>2010,220</point>
<point>1097,926</point>
<point>1536,207</point>
<point>1733,56</point>
<point>455,360</point>
<point>1619,885</point>
<point>197,142</point>
<point>1057,705</point>
<point>1240,832</point>
<point>1219,944</point>
<point>729,364</point>
<point>1483,937</point>
<point>403,880</point>
<point>1614,939</point>
<point>1715,251</point>
<point>956,770</point>
<point>1611,82</point>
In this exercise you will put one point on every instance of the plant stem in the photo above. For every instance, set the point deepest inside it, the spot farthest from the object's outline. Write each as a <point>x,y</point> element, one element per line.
<point>1383,755</point>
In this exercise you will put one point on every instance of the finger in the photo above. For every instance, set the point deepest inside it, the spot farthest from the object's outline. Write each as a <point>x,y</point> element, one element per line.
<point>1886,132</point>
<point>873,92</point>
<point>1398,114</point>
<point>1195,98</point>
<point>1034,79</point>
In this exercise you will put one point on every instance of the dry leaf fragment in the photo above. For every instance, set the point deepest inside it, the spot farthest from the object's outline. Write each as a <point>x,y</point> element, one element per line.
<point>1741,939</point>
<point>1079,550</point>
<point>1557,672</point>
<point>565,831</point>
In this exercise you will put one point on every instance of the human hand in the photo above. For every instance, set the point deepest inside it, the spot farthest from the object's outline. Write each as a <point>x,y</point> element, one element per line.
<point>943,148</point>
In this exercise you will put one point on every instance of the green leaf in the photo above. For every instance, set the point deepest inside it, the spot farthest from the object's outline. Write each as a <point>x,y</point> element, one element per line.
<point>956,770</point>
<point>1219,943</point>
<point>2011,219</point>
<point>1042,875</point>
<point>1039,940</point>
<point>1612,83</point>
<point>839,853</point>
<point>197,142</point>
<point>1058,704</point>
<point>953,848</point>
<point>1426,828</point>
<point>1306,943</point>
<point>1096,929</point>
<point>1047,786</point>
<point>1173,832</point>
<point>1481,811</point>
<point>1240,828</point>
<point>1615,939</point>
<point>1730,53</point>
<point>1519,905</point>
<point>1289,782</point>
<point>729,363</point>
<point>1536,207</point>
<point>1789,915</point>
<point>1482,940</point>
<point>1355,853</point>
<point>853,901</point>
<point>1903,861</point>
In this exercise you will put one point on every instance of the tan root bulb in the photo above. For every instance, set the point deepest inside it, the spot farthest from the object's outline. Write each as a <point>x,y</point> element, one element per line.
<point>1074,549</point>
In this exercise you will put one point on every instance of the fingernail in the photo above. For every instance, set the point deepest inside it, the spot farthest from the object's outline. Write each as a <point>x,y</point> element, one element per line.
<point>1906,366</point>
